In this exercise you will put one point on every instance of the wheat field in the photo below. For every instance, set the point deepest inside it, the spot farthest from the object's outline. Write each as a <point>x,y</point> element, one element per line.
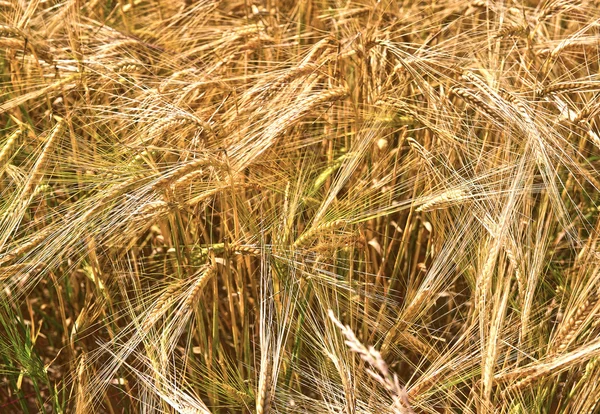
<point>311,206</point>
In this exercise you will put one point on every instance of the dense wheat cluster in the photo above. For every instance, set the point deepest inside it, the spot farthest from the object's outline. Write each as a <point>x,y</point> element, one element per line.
<point>311,206</point>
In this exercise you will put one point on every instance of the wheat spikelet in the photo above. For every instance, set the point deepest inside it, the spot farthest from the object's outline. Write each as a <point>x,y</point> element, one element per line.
<point>484,282</point>
<point>245,249</point>
<point>12,43</point>
<point>317,48</point>
<point>419,149</point>
<point>417,346</point>
<point>10,31</point>
<point>567,86</point>
<point>511,30</point>
<point>189,92</point>
<point>82,402</point>
<point>203,196</point>
<point>480,83</point>
<point>477,102</point>
<point>9,271</point>
<point>188,179</point>
<point>589,369</point>
<point>571,43</point>
<point>172,122</point>
<point>115,192</point>
<point>294,73</point>
<point>298,72</point>
<point>263,394</point>
<point>246,30</point>
<point>552,8</point>
<point>580,116</point>
<point>330,95</point>
<point>406,319</point>
<point>22,248</point>
<point>506,95</point>
<point>489,359</point>
<point>373,358</point>
<point>184,170</point>
<point>523,383</point>
<point>528,375</point>
<point>129,66</point>
<point>444,198</point>
<point>41,189</point>
<point>415,305</point>
<point>160,307</point>
<point>104,176</point>
<point>242,396</point>
<point>126,44</point>
<point>19,100</point>
<point>309,235</point>
<point>202,278</point>
<point>258,41</point>
<point>171,81</point>
<point>12,141</point>
<point>425,383</point>
<point>570,328</point>
<point>518,276</point>
<point>38,170</point>
<point>152,211</point>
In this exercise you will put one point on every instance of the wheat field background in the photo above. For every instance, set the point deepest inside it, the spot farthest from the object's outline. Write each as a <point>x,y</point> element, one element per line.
<point>312,206</point>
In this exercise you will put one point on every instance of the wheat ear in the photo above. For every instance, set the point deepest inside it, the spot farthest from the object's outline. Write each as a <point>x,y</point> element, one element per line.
<point>571,328</point>
<point>38,170</point>
<point>202,278</point>
<point>444,198</point>
<point>381,374</point>
<point>7,150</point>
<point>308,236</point>
<point>263,399</point>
